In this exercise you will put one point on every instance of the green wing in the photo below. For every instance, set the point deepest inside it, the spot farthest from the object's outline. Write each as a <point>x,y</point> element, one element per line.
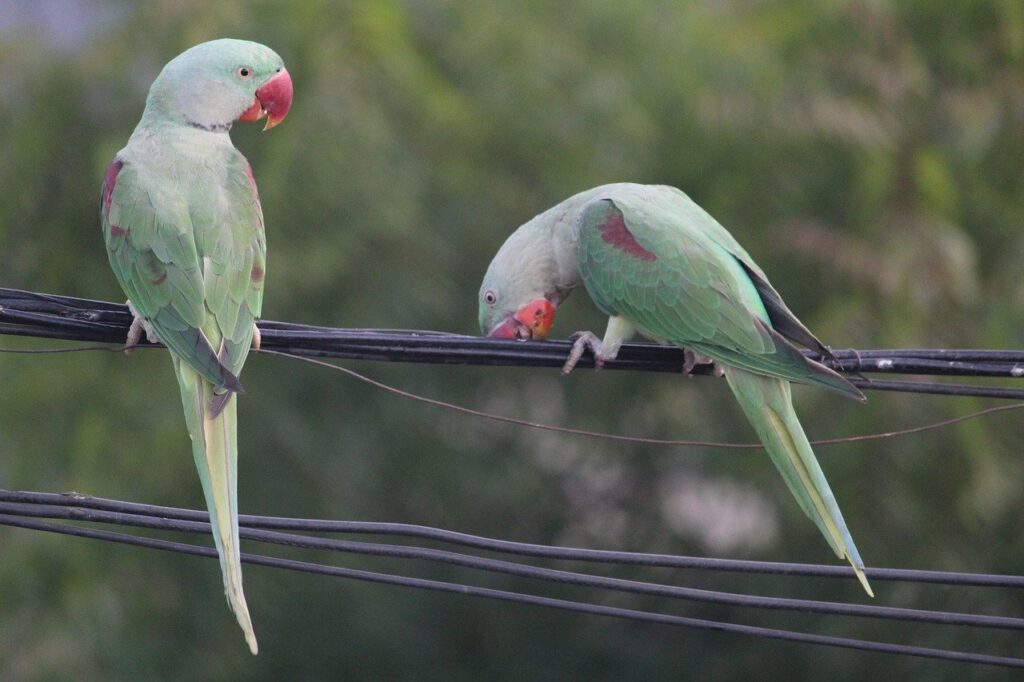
<point>195,274</point>
<point>662,262</point>
<point>229,233</point>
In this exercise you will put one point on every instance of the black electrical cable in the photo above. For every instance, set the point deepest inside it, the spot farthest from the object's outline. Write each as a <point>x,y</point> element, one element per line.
<point>512,568</point>
<point>24,313</point>
<point>517,548</point>
<point>537,600</point>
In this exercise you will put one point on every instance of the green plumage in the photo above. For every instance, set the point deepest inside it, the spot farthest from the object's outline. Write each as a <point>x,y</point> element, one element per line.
<point>651,257</point>
<point>189,242</point>
<point>184,233</point>
<point>697,291</point>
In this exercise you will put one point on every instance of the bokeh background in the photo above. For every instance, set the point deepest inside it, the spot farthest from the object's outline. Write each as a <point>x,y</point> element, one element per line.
<point>868,154</point>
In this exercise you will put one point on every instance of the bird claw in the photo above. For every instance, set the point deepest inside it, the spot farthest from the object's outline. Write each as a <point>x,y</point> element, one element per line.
<point>581,342</point>
<point>692,359</point>
<point>257,338</point>
<point>139,325</point>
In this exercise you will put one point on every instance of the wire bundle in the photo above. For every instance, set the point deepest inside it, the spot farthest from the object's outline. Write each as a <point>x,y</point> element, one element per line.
<point>24,313</point>
<point>21,509</point>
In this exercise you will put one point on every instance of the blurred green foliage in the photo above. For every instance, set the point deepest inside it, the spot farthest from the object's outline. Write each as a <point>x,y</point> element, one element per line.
<point>868,154</point>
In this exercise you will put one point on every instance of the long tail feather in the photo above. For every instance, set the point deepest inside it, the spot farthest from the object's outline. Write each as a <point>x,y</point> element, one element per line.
<point>768,405</point>
<point>212,425</point>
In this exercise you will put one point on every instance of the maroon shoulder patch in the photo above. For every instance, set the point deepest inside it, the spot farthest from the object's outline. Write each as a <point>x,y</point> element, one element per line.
<point>614,231</point>
<point>109,180</point>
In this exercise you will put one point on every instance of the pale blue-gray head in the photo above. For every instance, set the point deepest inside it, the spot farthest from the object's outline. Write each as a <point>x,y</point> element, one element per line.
<point>213,84</point>
<point>518,296</point>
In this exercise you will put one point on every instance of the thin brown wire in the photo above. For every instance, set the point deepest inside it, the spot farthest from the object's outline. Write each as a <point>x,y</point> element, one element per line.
<point>634,439</point>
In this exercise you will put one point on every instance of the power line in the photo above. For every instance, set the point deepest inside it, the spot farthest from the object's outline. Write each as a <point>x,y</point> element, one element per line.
<point>83,502</point>
<point>35,308</point>
<point>522,570</point>
<point>604,435</point>
<point>645,440</point>
<point>24,313</point>
<point>75,510</point>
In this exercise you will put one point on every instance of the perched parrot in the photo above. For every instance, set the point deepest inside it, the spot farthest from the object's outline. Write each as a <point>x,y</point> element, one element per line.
<point>184,233</point>
<point>655,262</point>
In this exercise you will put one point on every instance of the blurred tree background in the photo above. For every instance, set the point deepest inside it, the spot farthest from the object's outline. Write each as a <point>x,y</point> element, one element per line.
<point>868,154</point>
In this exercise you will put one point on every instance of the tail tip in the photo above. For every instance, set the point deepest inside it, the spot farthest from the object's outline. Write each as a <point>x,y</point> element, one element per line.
<point>250,639</point>
<point>245,622</point>
<point>236,602</point>
<point>859,570</point>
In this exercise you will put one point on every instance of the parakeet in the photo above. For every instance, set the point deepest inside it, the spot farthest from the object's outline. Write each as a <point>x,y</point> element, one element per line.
<point>184,232</point>
<point>655,262</point>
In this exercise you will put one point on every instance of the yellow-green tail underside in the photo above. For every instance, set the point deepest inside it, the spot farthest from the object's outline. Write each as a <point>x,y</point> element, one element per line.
<point>768,405</point>
<point>215,448</point>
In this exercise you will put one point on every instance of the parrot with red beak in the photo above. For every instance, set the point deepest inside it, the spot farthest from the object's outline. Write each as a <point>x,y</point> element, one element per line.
<point>658,264</point>
<point>184,233</point>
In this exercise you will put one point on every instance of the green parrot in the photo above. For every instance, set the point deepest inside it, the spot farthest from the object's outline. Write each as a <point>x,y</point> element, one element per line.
<point>655,262</point>
<point>184,233</point>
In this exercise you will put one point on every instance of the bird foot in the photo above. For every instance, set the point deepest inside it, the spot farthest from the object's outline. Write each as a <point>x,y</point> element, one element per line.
<point>257,338</point>
<point>581,342</point>
<point>693,359</point>
<point>139,325</point>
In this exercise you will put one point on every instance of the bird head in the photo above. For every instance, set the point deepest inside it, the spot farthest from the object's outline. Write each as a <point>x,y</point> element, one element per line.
<point>213,84</point>
<point>518,296</point>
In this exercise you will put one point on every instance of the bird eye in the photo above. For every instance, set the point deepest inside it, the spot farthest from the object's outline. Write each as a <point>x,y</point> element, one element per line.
<point>490,298</point>
<point>244,72</point>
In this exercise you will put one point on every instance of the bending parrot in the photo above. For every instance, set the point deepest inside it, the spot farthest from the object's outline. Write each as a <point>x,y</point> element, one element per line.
<point>655,262</point>
<point>184,233</point>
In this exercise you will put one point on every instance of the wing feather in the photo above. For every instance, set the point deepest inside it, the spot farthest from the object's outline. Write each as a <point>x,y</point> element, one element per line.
<point>186,267</point>
<point>662,262</point>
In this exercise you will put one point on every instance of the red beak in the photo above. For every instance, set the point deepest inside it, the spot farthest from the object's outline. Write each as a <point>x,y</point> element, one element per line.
<point>273,100</point>
<point>532,321</point>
